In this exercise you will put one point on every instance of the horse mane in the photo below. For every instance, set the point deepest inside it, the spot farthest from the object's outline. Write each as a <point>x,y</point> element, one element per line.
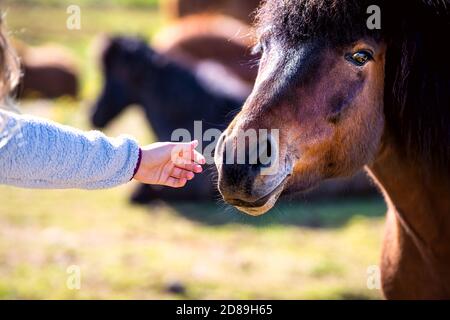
<point>417,84</point>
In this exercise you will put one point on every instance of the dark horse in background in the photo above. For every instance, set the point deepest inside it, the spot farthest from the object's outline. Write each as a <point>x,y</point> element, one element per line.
<point>172,96</point>
<point>345,96</point>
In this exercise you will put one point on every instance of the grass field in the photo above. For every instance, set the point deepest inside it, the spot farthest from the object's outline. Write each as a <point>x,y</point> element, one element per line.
<point>131,252</point>
<point>304,250</point>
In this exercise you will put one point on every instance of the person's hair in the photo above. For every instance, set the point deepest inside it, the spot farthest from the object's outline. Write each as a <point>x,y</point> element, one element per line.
<point>9,64</point>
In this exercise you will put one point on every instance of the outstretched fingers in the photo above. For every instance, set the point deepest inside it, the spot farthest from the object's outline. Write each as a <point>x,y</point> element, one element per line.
<point>185,156</point>
<point>180,173</point>
<point>186,163</point>
<point>192,167</point>
<point>196,156</point>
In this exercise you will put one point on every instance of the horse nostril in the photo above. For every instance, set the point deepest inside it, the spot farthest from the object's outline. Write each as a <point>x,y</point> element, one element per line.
<point>266,153</point>
<point>241,164</point>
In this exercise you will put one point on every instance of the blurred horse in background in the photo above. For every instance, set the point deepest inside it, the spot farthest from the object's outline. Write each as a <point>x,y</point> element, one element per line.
<point>240,9</point>
<point>49,72</point>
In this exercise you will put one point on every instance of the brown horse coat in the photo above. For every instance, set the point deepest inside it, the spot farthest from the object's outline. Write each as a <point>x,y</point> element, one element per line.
<point>240,9</point>
<point>48,72</point>
<point>210,37</point>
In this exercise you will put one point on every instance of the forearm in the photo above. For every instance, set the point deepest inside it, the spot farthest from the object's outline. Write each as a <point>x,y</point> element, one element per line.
<point>35,153</point>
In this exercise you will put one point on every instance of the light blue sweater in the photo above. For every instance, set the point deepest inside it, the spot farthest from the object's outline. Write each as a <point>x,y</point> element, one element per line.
<point>36,153</point>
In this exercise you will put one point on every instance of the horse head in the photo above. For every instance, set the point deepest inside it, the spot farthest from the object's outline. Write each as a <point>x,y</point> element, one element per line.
<point>334,90</point>
<point>123,60</point>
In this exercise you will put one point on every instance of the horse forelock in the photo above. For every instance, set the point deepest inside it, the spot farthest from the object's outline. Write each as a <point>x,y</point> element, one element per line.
<point>338,21</point>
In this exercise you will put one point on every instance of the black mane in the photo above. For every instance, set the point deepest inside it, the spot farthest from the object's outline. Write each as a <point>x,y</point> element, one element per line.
<point>337,21</point>
<point>417,84</point>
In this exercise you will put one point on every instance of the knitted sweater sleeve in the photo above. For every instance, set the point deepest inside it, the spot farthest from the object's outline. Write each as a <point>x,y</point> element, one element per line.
<point>36,153</point>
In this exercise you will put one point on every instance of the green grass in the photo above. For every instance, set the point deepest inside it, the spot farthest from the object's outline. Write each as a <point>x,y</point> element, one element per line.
<point>137,252</point>
<point>315,250</point>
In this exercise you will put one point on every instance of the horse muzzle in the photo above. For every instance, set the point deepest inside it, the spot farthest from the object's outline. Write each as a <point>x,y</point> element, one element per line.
<point>253,187</point>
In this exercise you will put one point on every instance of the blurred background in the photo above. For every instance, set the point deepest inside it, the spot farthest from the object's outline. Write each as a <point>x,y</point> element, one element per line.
<point>139,243</point>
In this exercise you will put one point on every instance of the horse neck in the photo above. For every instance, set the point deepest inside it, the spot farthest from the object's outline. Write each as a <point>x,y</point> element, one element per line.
<point>418,200</point>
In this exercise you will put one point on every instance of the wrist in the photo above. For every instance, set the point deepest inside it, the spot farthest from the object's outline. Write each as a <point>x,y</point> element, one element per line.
<point>138,164</point>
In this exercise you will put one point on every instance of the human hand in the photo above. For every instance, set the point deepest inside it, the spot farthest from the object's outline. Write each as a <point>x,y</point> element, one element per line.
<point>169,164</point>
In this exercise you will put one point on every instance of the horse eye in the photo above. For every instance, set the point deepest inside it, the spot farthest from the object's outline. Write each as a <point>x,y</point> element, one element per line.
<point>360,58</point>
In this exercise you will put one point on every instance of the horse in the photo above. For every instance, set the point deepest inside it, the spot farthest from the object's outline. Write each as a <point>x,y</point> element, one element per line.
<point>239,9</point>
<point>210,37</point>
<point>172,96</point>
<point>49,72</point>
<point>335,94</point>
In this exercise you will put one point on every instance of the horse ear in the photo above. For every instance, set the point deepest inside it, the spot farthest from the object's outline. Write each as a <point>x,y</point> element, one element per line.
<point>109,49</point>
